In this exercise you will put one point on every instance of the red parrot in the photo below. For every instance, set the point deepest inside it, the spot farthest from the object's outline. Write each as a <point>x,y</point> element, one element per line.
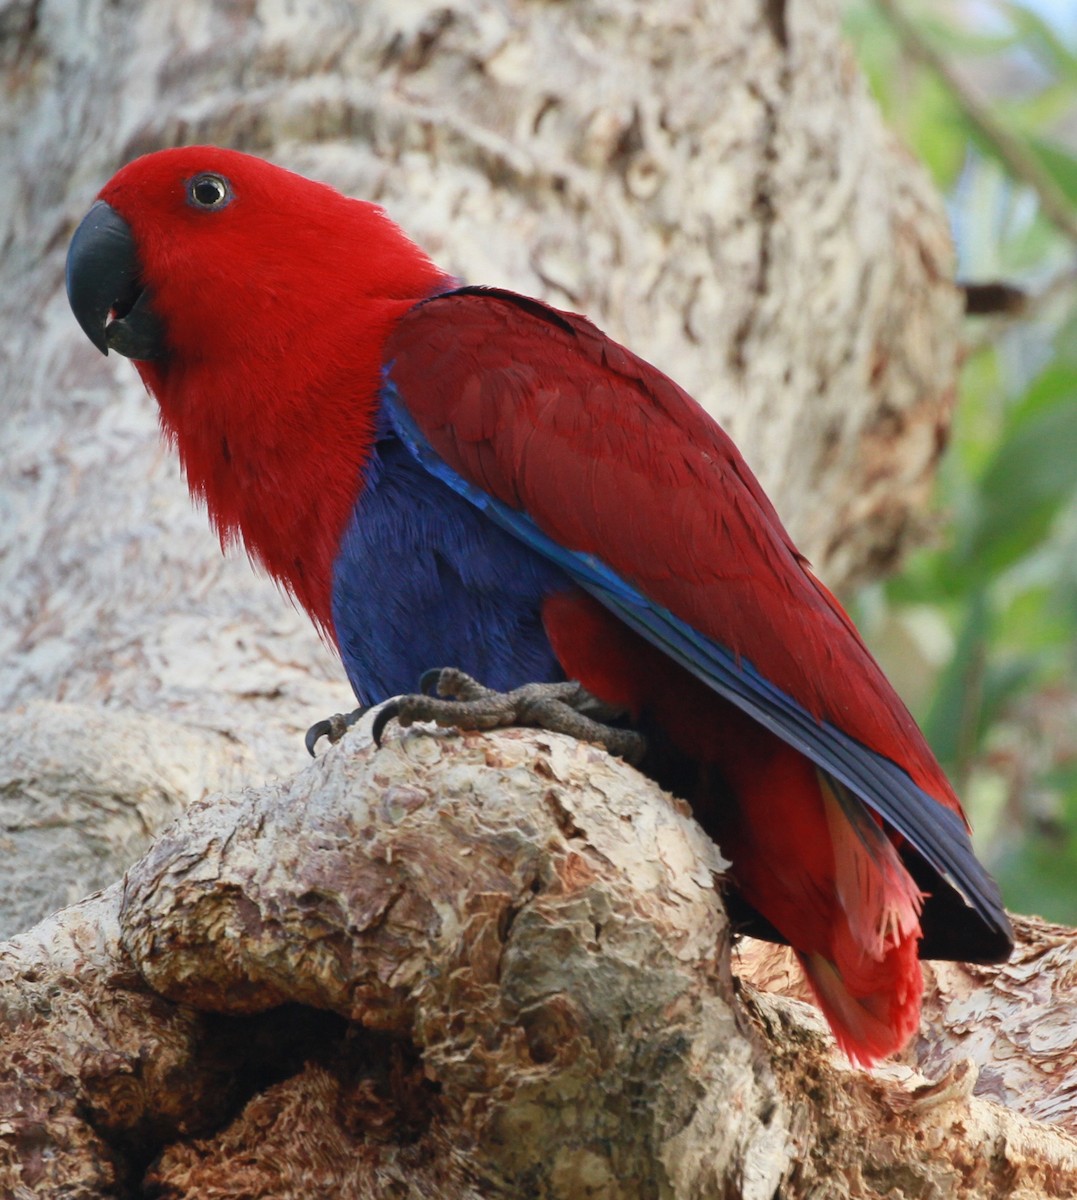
<point>454,476</point>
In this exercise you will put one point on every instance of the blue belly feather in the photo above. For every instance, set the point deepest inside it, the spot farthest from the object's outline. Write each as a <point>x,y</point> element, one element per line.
<point>423,579</point>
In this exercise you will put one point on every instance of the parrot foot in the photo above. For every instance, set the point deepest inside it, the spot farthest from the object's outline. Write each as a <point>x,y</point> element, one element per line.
<point>334,728</point>
<point>450,697</point>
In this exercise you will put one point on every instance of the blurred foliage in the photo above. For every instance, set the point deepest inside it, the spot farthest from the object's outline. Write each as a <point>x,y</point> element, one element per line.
<point>980,630</point>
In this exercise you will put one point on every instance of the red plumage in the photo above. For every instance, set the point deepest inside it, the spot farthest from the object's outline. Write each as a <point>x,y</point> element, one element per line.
<point>612,459</point>
<point>284,310</point>
<point>316,282</point>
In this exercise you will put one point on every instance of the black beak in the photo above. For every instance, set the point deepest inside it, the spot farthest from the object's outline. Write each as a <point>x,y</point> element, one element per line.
<point>104,279</point>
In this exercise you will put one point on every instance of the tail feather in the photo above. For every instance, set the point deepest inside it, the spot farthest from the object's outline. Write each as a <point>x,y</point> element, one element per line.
<point>868,983</point>
<point>876,893</point>
<point>870,1026</point>
<point>817,864</point>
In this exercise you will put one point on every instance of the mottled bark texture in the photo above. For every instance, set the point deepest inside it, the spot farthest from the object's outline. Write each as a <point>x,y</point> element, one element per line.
<point>479,967</point>
<point>459,967</point>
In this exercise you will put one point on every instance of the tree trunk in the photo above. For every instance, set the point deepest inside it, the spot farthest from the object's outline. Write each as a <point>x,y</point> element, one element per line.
<point>501,960</point>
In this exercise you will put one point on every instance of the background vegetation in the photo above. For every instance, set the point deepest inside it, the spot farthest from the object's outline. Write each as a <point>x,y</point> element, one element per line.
<point>980,630</point>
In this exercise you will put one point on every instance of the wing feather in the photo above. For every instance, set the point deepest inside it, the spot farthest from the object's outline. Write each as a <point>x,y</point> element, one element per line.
<point>603,465</point>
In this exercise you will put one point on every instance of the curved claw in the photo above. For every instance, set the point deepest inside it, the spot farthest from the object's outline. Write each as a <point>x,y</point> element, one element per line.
<point>315,734</point>
<point>386,713</point>
<point>334,727</point>
<point>428,681</point>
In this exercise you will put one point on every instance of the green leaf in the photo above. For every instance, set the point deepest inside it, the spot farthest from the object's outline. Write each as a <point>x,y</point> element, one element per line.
<point>1059,163</point>
<point>1036,34</point>
<point>937,127</point>
<point>1031,475</point>
<point>953,723</point>
<point>974,690</point>
<point>1038,874</point>
<point>1033,622</point>
<point>954,39</point>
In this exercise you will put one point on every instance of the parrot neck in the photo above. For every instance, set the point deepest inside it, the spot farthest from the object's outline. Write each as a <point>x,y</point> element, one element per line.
<point>277,449</point>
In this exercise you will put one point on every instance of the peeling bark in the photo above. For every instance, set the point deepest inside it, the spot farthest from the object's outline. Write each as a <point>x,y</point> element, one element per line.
<point>485,966</point>
<point>1016,1023</point>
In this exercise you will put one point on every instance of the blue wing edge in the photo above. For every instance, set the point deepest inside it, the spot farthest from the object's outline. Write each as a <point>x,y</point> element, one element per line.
<point>937,833</point>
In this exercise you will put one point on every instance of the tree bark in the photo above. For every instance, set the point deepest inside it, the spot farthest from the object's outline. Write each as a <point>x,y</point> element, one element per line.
<point>466,966</point>
<point>459,967</point>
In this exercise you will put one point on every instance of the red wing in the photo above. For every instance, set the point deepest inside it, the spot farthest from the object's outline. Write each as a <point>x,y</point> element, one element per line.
<point>609,457</point>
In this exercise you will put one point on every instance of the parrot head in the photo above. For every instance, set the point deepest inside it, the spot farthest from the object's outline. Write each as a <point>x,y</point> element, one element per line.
<point>189,250</point>
<point>255,305</point>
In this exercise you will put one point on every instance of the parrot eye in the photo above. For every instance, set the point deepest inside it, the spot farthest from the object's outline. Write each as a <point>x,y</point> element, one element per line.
<point>209,191</point>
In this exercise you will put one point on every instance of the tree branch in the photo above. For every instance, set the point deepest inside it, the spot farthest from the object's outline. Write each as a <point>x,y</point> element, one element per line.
<point>479,966</point>
<point>1020,161</point>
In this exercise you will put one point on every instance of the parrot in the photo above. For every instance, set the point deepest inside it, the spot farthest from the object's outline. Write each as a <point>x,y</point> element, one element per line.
<point>470,488</point>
